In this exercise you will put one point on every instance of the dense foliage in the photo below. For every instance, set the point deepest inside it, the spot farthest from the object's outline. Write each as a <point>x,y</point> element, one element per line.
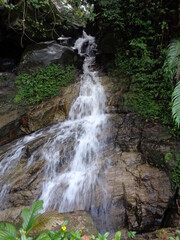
<point>43,84</point>
<point>173,70</point>
<point>141,31</point>
<point>43,19</point>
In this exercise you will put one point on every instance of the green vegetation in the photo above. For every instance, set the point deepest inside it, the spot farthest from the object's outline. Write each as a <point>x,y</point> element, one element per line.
<point>172,67</point>
<point>177,237</point>
<point>43,19</point>
<point>32,221</point>
<point>140,31</point>
<point>43,84</point>
<point>149,96</point>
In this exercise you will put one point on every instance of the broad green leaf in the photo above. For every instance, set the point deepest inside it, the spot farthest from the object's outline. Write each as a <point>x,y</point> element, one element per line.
<point>43,236</point>
<point>11,229</point>
<point>30,215</point>
<point>46,220</point>
<point>6,236</point>
<point>106,234</point>
<point>118,235</point>
<point>8,231</point>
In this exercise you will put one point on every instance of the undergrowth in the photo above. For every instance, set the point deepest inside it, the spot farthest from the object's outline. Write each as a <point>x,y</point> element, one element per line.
<point>42,84</point>
<point>150,88</point>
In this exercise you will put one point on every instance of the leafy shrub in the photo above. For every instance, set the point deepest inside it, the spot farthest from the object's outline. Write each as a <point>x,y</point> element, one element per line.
<point>141,31</point>
<point>43,84</point>
<point>150,88</point>
<point>32,219</point>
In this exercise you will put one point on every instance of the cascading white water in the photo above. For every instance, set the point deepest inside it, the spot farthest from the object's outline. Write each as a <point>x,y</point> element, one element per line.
<point>71,189</point>
<point>73,147</point>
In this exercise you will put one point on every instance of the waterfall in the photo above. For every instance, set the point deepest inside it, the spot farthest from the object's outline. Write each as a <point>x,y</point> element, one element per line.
<point>72,151</point>
<point>71,189</point>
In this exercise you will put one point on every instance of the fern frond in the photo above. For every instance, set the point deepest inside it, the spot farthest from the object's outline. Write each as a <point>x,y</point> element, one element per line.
<point>176,104</point>
<point>172,63</point>
<point>173,56</point>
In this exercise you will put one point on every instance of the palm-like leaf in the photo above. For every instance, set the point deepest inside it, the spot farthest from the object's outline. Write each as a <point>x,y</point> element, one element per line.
<point>173,57</point>
<point>176,104</point>
<point>6,236</point>
<point>30,215</point>
<point>47,220</point>
<point>172,68</point>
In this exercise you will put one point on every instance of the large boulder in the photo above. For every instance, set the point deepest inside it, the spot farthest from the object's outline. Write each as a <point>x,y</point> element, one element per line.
<point>45,53</point>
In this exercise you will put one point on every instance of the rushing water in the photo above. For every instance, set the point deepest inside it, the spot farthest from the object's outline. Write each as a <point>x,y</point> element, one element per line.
<point>72,151</point>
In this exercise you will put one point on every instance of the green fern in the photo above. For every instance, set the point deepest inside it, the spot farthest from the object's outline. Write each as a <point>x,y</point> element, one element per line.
<point>172,63</point>
<point>172,69</point>
<point>176,104</point>
<point>174,51</point>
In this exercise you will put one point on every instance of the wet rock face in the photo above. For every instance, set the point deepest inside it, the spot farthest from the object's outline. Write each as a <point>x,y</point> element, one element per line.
<point>45,53</point>
<point>137,194</point>
<point>51,111</point>
<point>158,140</point>
<point>162,234</point>
<point>130,193</point>
<point>16,121</point>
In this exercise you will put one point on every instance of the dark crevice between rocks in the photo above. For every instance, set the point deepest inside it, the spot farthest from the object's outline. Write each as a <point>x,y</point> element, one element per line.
<point>139,149</point>
<point>116,142</point>
<point>125,205</point>
<point>172,211</point>
<point>138,213</point>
